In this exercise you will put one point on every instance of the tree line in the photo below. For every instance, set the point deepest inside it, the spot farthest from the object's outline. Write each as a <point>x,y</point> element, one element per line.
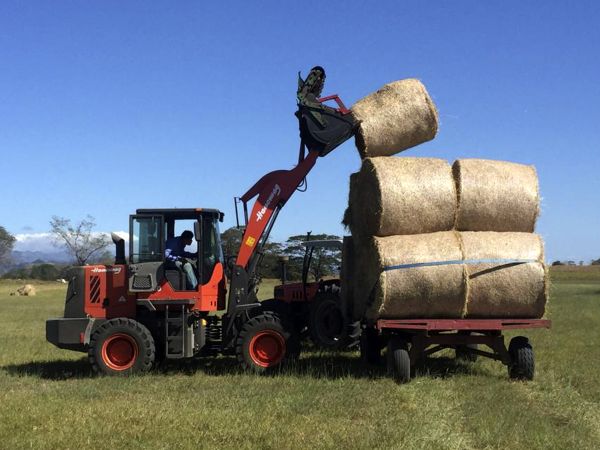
<point>88,247</point>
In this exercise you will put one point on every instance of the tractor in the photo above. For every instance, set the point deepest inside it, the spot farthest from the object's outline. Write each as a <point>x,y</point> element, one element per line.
<point>315,308</point>
<point>129,315</point>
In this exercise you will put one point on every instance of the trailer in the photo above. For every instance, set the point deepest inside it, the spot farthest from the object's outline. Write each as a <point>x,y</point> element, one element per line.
<point>409,341</point>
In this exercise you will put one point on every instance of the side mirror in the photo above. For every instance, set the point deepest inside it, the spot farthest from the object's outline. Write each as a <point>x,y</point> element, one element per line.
<point>197,231</point>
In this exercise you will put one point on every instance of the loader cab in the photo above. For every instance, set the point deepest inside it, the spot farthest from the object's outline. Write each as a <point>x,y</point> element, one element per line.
<point>149,229</point>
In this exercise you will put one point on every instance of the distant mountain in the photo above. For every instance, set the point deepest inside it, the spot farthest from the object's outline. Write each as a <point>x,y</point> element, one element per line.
<point>27,257</point>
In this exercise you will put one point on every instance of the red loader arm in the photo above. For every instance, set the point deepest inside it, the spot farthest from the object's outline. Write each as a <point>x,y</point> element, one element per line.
<point>273,190</point>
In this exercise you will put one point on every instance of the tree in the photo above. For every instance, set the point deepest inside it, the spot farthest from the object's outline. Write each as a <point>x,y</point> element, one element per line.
<point>231,239</point>
<point>325,261</point>
<point>78,239</point>
<point>44,271</point>
<point>7,241</point>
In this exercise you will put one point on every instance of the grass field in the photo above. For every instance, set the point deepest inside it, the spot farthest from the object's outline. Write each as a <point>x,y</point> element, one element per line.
<point>50,399</point>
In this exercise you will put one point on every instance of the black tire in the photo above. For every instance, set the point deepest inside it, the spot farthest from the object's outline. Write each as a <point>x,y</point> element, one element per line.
<point>265,343</point>
<point>121,347</point>
<point>370,347</point>
<point>326,323</point>
<point>398,360</point>
<point>463,353</point>
<point>522,365</point>
<point>273,306</point>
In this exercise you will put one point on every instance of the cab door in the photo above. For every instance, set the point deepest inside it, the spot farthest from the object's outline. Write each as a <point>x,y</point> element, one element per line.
<point>146,252</point>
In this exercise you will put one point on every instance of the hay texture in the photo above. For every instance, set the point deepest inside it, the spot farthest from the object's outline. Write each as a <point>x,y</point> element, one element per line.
<point>347,275</point>
<point>347,219</point>
<point>435,291</point>
<point>497,290</point>
<point>398,116</point>
<point>27,290</point>
<point>392,196</point>
<point>496,196</point>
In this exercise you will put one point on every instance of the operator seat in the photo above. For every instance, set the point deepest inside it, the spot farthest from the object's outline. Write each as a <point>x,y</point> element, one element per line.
<point>176,277</point>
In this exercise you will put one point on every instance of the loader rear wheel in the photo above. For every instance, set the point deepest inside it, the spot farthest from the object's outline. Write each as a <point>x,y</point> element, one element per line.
<point>264,343</point>
<point>121,347</point>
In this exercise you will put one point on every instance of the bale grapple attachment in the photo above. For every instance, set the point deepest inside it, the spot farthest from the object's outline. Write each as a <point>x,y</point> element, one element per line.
<point>322,128</point>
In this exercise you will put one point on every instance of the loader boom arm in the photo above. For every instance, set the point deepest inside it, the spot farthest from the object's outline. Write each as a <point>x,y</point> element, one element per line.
<point>273,191</point>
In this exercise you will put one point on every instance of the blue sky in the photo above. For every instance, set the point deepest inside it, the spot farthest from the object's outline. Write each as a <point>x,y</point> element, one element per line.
<point>110,106</point>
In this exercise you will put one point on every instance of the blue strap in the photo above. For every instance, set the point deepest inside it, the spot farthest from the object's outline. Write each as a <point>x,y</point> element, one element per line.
<point>460,261</point>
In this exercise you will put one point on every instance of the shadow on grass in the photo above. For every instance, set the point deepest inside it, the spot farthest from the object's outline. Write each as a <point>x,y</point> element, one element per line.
<point>312,364</point>
<point>65,369</point>
<point>325,365</point>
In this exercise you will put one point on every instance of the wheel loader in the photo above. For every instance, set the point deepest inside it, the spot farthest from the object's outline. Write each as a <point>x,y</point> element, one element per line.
<point>139,311</point>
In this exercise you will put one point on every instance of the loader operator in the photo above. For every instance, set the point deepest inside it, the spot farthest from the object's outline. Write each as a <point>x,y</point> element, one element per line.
<point>175,254</point>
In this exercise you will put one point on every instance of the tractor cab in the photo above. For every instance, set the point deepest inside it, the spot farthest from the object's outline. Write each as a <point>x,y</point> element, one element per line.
<point>315,306</point>
<point>305,291</point>
<point>149,230</point>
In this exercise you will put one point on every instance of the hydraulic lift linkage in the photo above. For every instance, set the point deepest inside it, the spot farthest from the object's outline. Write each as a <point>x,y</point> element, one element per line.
<point>321,130</point>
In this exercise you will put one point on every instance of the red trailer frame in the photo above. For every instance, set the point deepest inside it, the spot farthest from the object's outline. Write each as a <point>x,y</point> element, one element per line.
<point>410,340</point>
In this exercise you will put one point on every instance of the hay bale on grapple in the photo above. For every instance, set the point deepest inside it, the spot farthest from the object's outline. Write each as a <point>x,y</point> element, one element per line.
<point>496,196</point>
<point>392,196</point>
<point>398,116</point>
<point>504,290</point>
<point>381,290</point>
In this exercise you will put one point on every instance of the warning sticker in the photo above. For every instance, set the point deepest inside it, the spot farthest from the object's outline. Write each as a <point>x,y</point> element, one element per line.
<point>250,241</point>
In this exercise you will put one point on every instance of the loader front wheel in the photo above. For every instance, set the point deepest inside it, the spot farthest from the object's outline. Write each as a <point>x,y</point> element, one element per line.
<point>264,343</point>
<point>121,347</point>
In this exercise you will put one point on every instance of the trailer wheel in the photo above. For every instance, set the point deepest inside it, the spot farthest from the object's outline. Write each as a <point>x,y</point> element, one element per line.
<point>370,347</point>
<point>398,360</point>
<point>121,347</point>
<point>264,343</point>
<point>522,365</point>
<point>326,323</point>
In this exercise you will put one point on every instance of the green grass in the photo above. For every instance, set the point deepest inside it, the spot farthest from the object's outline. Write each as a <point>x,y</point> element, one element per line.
<point>50,399</point>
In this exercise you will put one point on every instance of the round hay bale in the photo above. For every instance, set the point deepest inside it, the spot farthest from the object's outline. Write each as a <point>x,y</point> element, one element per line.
<point>496,196</point>
<point>393,196</point>
<point>347,219</point>
<point>504,290</point>
<point>28,290</point>
<point>347,275</point>
<point>398,116</point>
<point>432,291</point>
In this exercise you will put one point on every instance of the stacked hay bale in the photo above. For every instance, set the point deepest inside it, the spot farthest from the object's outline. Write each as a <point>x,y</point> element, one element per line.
<point>431,240</point>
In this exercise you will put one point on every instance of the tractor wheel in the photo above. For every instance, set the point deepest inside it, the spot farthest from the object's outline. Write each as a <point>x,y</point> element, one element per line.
<point>121,347</point>
<point>264,343</point>
<point>326,323</point>
<point>522,365</point>
<point>398,360</point>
